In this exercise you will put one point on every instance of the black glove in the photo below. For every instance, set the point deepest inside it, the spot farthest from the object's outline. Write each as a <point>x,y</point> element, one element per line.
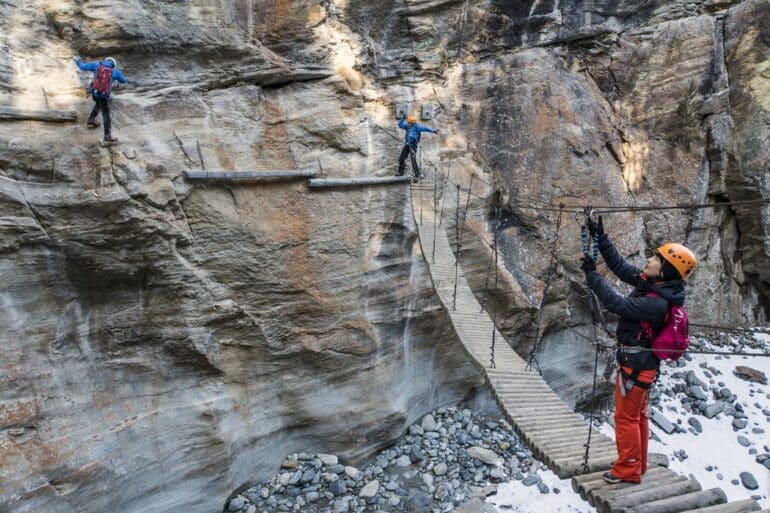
<point>437,131</point>
<point>595,227</point>
<point>588,264</point>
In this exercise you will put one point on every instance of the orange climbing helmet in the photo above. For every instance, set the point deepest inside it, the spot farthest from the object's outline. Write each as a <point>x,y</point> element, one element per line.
<point>411,119</point>
<point>679,256</point>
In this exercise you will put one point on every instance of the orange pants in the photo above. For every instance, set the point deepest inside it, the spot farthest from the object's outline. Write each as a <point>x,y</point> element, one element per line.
<point>632,428</point>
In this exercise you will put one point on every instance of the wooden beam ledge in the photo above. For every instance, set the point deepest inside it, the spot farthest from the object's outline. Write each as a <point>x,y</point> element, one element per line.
<point>248,176</point>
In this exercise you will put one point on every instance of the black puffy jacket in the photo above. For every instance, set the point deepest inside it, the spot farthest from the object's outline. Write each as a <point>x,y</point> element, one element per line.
<point>635,307</point>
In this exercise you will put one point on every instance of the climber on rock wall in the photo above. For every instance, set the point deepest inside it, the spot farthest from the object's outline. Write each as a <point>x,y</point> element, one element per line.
<point>411,143</point>
<point>100,89</point>
<point>657,286</point>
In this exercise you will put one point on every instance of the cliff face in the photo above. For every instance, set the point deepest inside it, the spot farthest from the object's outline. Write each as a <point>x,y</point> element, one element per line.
<point>175,340</point>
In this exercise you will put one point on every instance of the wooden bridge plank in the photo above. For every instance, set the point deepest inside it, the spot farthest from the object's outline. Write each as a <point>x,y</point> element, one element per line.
<point>637,496</point>
<point>744,506</point>
<point>608,495</point>
<point>693,500</point>
<point>591,490</point>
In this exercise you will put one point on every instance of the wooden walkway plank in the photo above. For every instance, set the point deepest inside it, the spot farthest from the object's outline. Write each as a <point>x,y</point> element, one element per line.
<point>744,506</point>
<point>605,498</point>
<point>590,490</point>
<point>680,503</point>
<point>636,496</point>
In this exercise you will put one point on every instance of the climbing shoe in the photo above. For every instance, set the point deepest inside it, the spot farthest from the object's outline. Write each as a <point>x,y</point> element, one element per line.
<point>92,123</point>
<point>610,478</point>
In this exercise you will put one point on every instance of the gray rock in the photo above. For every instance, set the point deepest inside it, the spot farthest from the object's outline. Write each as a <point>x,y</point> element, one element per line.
<point>697,392</point>
<point>749,481</point>
<point>712,410</point>
<point>475,505</point>
<point>695,423</point>
<point>487,456</point>
<point>403,461</point>
<point>440,469</point>
<point>236,504</point>
<point>370,489</point>
<point>531,479</point>
<point>443,490</point>
<point>421,500</point>
<point>341,506</point>
<point>336,469</point>
<point>498,474</point>
<point>739,424</point>
<point>661,421</point>
<point>428,423</point>
<point>543,487</point>
<point>337,488</point>
<point>743,441</point>
<point>328,459</point>
<point>726,395</point>
<point>751,375</point>
<point>692,379</point>
<point>415,454</point>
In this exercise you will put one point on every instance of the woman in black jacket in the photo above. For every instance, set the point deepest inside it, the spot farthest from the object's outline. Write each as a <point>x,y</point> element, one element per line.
<point>659,284</point>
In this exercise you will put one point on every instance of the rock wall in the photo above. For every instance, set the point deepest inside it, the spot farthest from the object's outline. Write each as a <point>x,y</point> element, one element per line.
<point>174,340</point>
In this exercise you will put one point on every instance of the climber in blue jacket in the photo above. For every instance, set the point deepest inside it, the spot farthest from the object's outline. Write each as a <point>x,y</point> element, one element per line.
<point>100,89</point>
<point>411,143</point>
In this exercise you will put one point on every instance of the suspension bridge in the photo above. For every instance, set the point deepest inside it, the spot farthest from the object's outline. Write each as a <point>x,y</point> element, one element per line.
<point>555,434</point>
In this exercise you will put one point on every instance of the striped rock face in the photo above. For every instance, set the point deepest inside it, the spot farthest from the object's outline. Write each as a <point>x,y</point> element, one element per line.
<point>173,340</point>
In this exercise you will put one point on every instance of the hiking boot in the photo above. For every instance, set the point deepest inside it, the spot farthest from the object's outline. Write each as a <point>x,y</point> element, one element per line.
<point>417,179</point>
<point>110,139</point>
<point>610,478</point>
<point>92,123</point>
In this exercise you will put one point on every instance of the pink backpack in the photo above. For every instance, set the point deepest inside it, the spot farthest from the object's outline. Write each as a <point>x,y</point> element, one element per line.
<point>672,340</point>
